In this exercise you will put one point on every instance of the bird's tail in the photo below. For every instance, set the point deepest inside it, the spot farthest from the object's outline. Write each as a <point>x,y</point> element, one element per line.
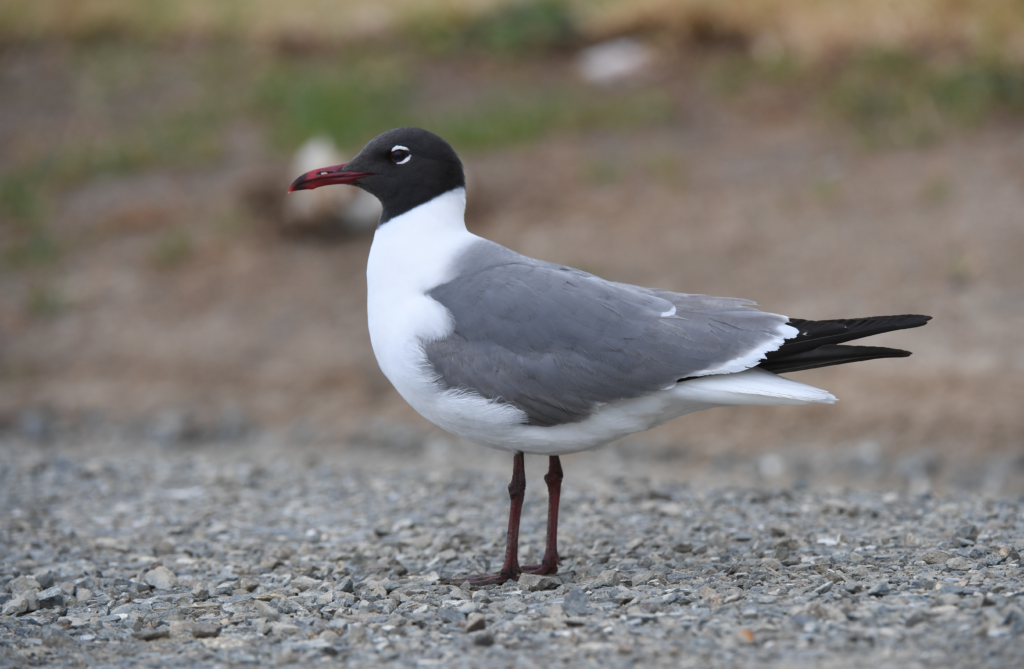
<point>819,343</point>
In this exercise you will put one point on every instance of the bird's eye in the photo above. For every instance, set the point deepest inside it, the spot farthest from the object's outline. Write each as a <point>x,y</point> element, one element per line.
<point>400,155</point>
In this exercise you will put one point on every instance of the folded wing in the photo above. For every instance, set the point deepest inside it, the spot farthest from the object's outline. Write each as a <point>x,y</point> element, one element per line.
<point>578,341</point>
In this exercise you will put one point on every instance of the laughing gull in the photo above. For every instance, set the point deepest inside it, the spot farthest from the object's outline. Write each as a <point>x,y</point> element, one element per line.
<point>532,357</point>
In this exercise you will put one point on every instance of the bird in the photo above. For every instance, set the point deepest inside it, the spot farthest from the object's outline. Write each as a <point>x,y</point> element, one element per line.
<point>533,357</point>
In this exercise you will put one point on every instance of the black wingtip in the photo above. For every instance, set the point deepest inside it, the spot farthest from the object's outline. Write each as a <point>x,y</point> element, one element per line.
<point>829,355</point>
<point>814,334</point>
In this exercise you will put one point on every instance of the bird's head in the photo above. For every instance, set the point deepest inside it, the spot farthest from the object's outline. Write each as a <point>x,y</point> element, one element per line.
<point>403,168</point>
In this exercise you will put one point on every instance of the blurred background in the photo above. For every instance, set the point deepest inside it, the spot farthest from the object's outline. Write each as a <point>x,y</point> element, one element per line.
<point>826,158</point>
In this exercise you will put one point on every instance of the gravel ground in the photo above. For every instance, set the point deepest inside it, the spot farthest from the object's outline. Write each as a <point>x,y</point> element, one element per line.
<point>132,554</point>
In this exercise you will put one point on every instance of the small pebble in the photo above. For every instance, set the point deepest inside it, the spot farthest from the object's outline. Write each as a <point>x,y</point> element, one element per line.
<point>475,622</point>
<point>576,603</point>
<point>152,633</point>
<point>534,583</point>
<point>205,630</point>
<point>161,578</point>
<point>482,638</point>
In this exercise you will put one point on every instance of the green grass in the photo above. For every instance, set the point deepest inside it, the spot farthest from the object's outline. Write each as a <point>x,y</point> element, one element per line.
<point>34,247</point>
<point>887,97</point>
<point>44,302</point>
<point>348,100</point>
<point>173,248</point>
<point>27,240</point>
<point>19,200</point>
<point>509,120</point>
<point>900,98</point>
<point>509,30</point>
<point>353,102</point>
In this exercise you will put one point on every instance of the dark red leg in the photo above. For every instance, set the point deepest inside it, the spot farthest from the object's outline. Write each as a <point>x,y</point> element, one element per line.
<point>510,569</point>
<point>549,564</point>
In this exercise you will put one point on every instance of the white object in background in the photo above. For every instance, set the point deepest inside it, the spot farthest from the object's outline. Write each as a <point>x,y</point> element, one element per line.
<point>350,208</point>
<point>614,61</point>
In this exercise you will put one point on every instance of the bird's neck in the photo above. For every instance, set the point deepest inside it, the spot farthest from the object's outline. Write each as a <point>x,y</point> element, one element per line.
<point>415,251</point>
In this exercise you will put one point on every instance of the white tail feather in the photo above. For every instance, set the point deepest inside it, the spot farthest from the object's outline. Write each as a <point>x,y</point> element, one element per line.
<point>752,387</point>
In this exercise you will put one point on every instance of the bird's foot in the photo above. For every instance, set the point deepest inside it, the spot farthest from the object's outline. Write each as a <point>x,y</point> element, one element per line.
<point>545,568</point>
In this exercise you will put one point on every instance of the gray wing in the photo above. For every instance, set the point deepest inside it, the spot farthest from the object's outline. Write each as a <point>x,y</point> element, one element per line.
<point>556,342</point>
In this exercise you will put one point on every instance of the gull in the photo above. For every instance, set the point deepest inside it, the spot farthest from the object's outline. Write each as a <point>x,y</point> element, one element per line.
<point>533,357</point>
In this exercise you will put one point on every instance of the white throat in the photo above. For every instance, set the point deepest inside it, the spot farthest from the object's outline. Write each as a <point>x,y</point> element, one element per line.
<point>411,254</point>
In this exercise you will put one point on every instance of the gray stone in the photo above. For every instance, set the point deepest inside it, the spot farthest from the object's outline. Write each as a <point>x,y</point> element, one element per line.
<point>916,618</point>
<point>265,610</point>
<point>515,606</point>
<point>161,578</point>
<point>50,598</point>
<point>152,633</point>
<point>124,609</point>
<point>482,638</point>
<point>969,532</point>
<point>303,583</point>
<point>344,585</point>
<point>16,606</point>
<point>576,603</point>
<point>164,546</point>
<point>642,578</point>
<point>205,630</point>
<point>450,615</point>
<point>467,608</point>
<point>201,592</point>
<point>44,579</point>
<point>373,591</point>
<point>355,634</point>
<point>225,588</point>
<point>934,557</point>
<point>1009,554</point>
<point>925,583</point>
<point>475,622</point>
<point>880,589</point>
<point>609,578</point>
<point>284,629</point>
<point>825,587</point>
<point>54,637</point>
<point>24,584</point>
<point>958,564</point>
<point>534,583</point>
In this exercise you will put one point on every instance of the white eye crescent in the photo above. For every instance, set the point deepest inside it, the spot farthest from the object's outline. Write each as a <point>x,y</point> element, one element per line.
<point>400,154</point>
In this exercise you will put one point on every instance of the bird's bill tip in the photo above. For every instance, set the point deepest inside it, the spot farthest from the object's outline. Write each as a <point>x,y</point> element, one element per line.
<point>326,176</point>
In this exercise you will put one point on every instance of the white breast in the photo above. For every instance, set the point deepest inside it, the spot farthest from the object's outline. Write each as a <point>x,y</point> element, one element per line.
<point>411,254</point>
